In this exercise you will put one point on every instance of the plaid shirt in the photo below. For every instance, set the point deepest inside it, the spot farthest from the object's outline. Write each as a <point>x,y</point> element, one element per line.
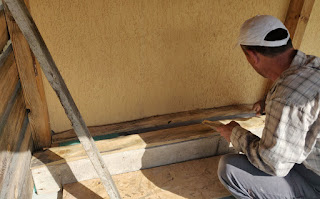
<point>292,127</point>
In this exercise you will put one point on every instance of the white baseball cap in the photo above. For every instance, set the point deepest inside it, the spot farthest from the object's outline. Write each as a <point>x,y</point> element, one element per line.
<point>254,30</point>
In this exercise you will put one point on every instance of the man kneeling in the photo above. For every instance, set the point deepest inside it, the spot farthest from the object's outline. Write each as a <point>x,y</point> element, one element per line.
<point>285,161</point>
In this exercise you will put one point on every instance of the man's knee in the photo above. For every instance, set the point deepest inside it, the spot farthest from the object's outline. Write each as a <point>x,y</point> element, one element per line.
<point>224,166</point>
<point>229,164</point>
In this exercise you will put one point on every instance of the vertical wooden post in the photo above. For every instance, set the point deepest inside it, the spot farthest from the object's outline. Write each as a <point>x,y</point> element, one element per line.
<point>3,29</point>
<point>31,81</point>
<point>297,19</point>
<point>29,29</point>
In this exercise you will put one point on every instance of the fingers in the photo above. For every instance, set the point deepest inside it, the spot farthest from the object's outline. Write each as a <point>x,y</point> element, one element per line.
<point>257,108</point>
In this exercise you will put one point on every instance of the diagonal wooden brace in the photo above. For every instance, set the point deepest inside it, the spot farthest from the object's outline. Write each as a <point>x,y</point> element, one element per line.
<point>29,29</point>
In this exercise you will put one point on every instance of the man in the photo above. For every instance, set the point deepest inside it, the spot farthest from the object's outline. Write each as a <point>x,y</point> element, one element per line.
<point>285,161</point>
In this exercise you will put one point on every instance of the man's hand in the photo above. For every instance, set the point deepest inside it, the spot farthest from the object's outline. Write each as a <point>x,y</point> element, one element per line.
<point>258,107</point>
<point>226,130</point>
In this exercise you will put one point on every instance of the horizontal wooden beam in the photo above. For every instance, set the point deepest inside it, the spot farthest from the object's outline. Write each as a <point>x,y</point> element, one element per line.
<point>131,153</point>
<point>297,19</point>
<point>161,121</point>
<point>191,179</point>
<point>31,81</point>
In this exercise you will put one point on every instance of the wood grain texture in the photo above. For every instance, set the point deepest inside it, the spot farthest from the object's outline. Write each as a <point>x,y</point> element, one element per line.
<point>8,81</point>
<point>138,141</point>
<point>51,178</point>
<point>16,182</point>
<point>31,81</point>
<point>58,155</point>
<point>10,135</point>
<point>192,179</point>
<point>130,153</point>
<point>297,19</point>
<point>3,30</point>
<point>157,121</point>
<point>26,24</point>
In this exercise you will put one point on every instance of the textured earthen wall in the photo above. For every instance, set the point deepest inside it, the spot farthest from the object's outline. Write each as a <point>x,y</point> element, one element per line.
<point>311,40</point>
<point>124,60</point>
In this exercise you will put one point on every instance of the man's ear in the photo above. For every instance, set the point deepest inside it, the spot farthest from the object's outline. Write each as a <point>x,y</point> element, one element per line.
<point>253,56</point>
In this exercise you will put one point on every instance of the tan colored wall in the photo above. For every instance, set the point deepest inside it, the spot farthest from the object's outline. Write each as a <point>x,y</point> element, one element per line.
<point>311,40</point>
<point>124,60</point>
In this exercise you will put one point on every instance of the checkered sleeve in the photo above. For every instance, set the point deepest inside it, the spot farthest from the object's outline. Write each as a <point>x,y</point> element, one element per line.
<point>284,142</point>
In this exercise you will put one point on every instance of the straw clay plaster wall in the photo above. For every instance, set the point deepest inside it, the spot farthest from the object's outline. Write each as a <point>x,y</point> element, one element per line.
<point>311,40</point>
<point>124,60</point>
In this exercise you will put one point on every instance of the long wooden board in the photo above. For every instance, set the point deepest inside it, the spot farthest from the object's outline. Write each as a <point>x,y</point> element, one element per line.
<point>31,81</point>
<point>131,153</point>
<point>193,179</point>
<point>168,120</point>
<point>10,136</point>
<point>16,181</point>
<point>8,80</point>
<point>3,30</point>
<point>29,29</point>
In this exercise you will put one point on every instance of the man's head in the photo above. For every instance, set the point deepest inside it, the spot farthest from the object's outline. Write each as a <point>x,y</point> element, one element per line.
<point>262,39</point>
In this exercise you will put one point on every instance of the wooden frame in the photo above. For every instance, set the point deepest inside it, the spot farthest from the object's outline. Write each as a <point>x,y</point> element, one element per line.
<point>133,152</point>
<point>15,133</point>
<point>31,81</point>
<point>31,33</point>
<point>4,36</point>
<point>297,19</point>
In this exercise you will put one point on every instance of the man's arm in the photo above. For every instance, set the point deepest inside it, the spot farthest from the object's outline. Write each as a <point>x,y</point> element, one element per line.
<point>286,139</point>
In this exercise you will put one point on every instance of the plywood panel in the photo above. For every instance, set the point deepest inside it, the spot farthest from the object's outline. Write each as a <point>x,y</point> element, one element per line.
<point>192,179</point>
<point>125,60</point>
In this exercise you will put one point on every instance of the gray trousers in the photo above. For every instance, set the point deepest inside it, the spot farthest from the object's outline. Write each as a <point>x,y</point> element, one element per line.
<point>244,180</point>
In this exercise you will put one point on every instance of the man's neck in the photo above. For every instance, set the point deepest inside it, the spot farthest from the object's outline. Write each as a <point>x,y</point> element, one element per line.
<point>281,63</point>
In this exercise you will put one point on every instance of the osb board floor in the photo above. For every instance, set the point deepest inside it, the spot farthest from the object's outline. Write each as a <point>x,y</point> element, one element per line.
<point>191,179</point>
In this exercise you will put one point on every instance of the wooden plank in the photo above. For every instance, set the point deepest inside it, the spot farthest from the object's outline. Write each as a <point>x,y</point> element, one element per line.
<point>28,186</point>
<point>8,81</point>
<point>192,179</point>
<point>297,19</point>
<point>158,121</point>
<point>29,29</point>
<point>49,178</point>
<point>9,135</point>
<point>4,37</point>
<point>138,141</point>
<point>130,153</point>
<point>31,81</point>
<point>16,176</point>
